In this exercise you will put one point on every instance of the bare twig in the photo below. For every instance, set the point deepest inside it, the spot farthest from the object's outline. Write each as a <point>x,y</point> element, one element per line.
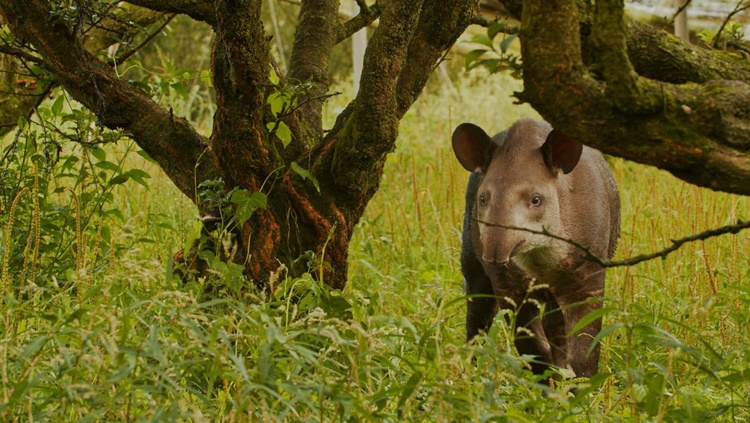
<point>307,100</point>
<point>5,49</point>
<point>145,42</point>
<point>670,22</point>
<point>737,9</point>
<point>676,243</point>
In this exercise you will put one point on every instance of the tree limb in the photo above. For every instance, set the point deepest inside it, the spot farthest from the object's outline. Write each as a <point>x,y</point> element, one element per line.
<point>110,30</point>
<point>169,140</point>
<point>125,56</point>
<point>200,10</point>
<point>241,68</point>
<point>21,54</point>
<point>365,18</point>
<point>630,261</point>
<point>433,36</point>
<point>697,132</point>
<point>311,53</point>
<point>677,12</point>
<point>658,55</point>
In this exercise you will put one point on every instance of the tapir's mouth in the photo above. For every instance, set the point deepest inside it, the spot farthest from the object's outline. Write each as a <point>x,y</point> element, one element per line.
<point>517,248</point>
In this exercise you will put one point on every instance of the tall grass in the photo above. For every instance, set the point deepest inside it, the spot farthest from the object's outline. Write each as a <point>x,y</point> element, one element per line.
<point>129,343</point>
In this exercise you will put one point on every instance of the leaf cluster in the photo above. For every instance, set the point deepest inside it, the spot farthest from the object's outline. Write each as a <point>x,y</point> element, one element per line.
<point>496,56</point>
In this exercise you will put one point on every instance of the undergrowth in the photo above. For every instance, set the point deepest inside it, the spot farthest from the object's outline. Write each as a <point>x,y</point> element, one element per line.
<point>96,328</point>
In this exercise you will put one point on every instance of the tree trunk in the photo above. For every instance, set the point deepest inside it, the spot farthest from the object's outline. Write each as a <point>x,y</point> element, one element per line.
<point>307,224</point>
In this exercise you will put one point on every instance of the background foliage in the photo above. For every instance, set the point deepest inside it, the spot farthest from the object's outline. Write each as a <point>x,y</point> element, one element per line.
<point>96,327</point>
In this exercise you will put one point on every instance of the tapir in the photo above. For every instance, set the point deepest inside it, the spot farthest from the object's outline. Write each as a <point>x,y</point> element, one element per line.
<point>527,183</point>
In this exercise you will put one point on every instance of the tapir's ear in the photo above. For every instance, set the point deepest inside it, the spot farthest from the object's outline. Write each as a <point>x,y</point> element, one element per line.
<point>472,146</point>
<point>561,152</point>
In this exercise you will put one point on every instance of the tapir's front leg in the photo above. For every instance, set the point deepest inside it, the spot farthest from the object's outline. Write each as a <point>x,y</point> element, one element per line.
<point>481,305</point>
<point>582,358</point>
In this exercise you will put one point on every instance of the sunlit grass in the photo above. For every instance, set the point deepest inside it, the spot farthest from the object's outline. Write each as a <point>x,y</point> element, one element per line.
<point>130,343</point>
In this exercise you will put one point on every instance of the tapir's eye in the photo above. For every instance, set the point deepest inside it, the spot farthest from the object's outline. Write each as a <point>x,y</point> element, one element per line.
<point>482,200</point>
<point>537,200</point>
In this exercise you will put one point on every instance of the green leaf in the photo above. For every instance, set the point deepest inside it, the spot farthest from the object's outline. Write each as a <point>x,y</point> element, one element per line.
<point>273,77</point>
<point>496,28</point>
<point>473,56</point>
<point>181,88</point>
<point>139,176</point>
<point>58,105</point>
<point>119,179</point>
<point>409,388</point>
<point>585,320</point>
<point>482,39</point>
<point>655,390</point>
<point>18,390</point>
<point>32,348</point>
<point>99,153</point>
<point>505,44</point>
<point>492,65</point>
<point>284,134</point>
<point>276,101</point>
<point>104,164</point>
<point>247,203</point>
<point>193,234</point>
<point>207,78</point>
<point>305,174</point>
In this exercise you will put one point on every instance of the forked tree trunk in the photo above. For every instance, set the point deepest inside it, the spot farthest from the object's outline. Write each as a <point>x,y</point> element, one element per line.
<point>301,229</point>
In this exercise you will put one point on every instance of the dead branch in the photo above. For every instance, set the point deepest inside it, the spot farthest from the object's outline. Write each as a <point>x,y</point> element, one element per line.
<point>737,9</point>
<point>676,243</point>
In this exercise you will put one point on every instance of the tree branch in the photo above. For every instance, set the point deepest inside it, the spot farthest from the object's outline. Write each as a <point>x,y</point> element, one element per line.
<point>241,62</point>
<point>370,130</point>
<point>171,141</point>
<point>365,18</point>
<point>679,10</point>
<point>629,92</point>
<point>440,25</point>
<point>663,253</point>
<point>658,55</point>
<point>200,10</point>
<point>145,42</point>
<point>311,53</point>
<point>110,29</point>
<point>698,132</point>
<point>22,54</point>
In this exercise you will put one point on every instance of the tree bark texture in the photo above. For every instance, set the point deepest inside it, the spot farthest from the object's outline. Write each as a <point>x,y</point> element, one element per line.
<point>347,161</point>
<point>633,91</point>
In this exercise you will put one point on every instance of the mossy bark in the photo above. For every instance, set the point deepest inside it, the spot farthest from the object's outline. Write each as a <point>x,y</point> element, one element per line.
<point>671,105</point>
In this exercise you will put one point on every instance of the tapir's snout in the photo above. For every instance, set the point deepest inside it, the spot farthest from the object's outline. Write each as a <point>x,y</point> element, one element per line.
<point>499,245</point>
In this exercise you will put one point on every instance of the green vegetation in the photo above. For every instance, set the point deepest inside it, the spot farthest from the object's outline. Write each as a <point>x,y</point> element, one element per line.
<point>96,328</point>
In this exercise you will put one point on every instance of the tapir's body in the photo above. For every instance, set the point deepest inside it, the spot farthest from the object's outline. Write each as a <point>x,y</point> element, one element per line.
<point>530,177</point>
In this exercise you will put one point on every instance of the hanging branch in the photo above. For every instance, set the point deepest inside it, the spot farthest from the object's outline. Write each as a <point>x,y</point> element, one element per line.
<point>676,244</point>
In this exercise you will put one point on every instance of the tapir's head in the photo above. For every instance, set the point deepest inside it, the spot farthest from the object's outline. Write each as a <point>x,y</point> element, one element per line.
<point>525,179</point>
